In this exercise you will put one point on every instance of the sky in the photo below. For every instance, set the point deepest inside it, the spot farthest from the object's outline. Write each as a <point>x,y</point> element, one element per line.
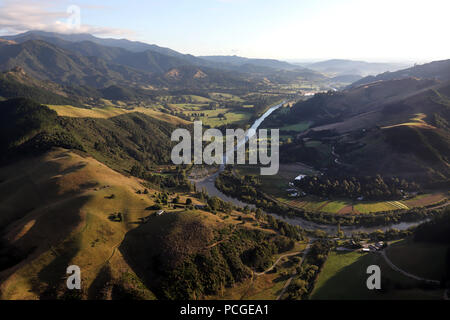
<point>382,30</point>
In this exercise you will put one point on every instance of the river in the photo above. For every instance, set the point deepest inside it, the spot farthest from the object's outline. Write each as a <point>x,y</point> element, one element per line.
<point>208,183</point>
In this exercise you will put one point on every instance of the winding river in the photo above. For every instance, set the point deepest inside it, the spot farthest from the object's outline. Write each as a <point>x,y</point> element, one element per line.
<point>208,183</point>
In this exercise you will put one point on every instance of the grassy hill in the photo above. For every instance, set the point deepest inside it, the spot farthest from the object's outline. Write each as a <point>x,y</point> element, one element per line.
<point>70,216</point>
<point>64,221</point>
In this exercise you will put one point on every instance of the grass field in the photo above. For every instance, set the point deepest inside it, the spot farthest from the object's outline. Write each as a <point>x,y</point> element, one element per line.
<point>344,277</point>
<point>230,117</point>
<point>426,199</point>
<point>224,97</point>
<point>422,259</point>
<point>299,127</point>
<point>375,206</point>
<point>335,206</point>
<point>109,112</point>
<point>342,206</point>
<point>191,107</point>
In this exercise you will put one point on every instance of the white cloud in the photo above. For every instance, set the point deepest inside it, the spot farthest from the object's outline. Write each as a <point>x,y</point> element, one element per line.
<point>16,17</point>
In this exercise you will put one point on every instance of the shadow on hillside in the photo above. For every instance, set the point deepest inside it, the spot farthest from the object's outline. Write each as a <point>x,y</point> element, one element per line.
<point>74,168</point>
<point>53,276</point>
<point>142,246</point>
<point>349,283</point>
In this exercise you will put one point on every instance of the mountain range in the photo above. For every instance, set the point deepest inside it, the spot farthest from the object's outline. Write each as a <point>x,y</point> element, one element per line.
<point>82,59</point>
<point>99,62</point>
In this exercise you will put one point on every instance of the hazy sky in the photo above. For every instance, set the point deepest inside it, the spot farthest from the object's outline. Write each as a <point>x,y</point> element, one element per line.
<point>284,29</point>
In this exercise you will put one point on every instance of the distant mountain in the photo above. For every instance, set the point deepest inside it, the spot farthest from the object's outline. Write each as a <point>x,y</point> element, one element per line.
<point>404,120</point>
<point>45,61</point>
<point>193,76</point>
<point>240,61</point>
<point>337,67</point>
<point>144,57</point>
<point>347,78</point>
<point>438,70</point>
<point>89,64</point>
<point>149,60</point>
<point>134,46</point>
<point>16,83</point>
<point>104,62</point>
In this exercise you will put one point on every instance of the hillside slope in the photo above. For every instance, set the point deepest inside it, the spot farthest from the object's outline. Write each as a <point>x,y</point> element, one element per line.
<point>64,221</point>
<point>28,128</point>
<point>404,120</point>
<point>70,217</point>
<point>46,61</point>
<point>438,70</point>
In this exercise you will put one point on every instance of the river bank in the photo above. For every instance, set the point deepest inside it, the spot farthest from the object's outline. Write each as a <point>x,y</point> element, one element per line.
<point>208,184</point>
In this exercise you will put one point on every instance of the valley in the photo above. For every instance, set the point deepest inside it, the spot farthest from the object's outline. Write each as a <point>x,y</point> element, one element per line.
<point>87,179</point>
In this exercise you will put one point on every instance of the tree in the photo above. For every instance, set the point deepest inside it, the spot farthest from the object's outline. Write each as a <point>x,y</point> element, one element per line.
<point>258,214</point>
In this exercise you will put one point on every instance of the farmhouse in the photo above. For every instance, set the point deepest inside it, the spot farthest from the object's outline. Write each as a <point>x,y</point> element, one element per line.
<point>379,245</point>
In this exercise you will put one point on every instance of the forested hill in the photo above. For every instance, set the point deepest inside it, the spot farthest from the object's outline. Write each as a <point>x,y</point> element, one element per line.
<point>28,128</point>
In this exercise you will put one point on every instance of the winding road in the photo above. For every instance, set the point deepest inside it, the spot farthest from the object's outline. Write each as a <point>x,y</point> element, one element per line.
<point>286,285</point>
<point>276,262</point>
<point>407,274</point>
<point>412,276</point>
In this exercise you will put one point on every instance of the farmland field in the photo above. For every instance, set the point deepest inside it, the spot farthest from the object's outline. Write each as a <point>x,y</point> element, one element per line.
<point>421,259</point>
<point>344,277</point>
<point>277,187</point>
<point>425,199</point>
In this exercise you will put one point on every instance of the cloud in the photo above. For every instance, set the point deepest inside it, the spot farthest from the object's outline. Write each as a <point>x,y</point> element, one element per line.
<point>17,17</point>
